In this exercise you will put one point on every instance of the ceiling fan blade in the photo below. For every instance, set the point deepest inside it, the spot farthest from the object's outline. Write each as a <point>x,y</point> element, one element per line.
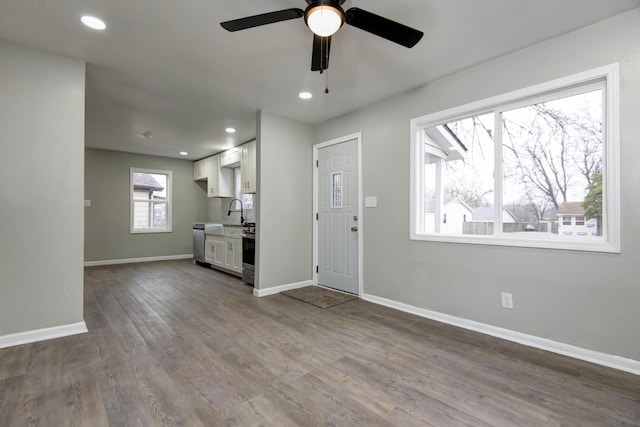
<point>383,27</point>
<point>320,55</point>
<point>262,19</point>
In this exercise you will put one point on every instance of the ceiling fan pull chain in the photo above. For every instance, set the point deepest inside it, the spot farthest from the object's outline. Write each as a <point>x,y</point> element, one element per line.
<point>322,56</point>
<point>326,87</point>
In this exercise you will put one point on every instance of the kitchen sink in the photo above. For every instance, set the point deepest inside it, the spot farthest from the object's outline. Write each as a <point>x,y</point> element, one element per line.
<point>215,229</point>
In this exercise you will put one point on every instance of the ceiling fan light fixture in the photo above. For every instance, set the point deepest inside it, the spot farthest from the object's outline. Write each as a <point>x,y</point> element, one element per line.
<point>324,20</point>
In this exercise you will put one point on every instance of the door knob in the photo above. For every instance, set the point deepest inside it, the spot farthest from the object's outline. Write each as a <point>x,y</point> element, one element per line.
<point>354,228</point>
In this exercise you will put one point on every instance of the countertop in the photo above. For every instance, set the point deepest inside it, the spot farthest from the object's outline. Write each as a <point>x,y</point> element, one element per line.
<point>226,224</point>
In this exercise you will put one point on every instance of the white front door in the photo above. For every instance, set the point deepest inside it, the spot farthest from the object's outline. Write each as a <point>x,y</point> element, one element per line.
<point>338,220</point>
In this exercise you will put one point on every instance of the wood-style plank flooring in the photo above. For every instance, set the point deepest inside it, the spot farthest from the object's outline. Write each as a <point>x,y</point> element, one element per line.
<point>174,344</point>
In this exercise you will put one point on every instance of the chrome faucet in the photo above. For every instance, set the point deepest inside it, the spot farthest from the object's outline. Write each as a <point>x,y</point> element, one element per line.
<point>241,210</point>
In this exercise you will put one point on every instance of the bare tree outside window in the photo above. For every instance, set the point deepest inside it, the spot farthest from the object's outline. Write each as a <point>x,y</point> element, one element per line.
<point>536,167</point>
<point>552,150</point>
<point>552,153</point>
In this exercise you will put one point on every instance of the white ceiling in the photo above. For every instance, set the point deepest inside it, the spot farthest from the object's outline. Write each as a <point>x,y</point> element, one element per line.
<point>167,66</point>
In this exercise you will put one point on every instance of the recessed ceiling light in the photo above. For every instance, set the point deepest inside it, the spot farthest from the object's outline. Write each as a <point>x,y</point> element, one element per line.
<point>93,22</point>
<point>230,130</point>
<point>305,95</point>
<point>184,153</point>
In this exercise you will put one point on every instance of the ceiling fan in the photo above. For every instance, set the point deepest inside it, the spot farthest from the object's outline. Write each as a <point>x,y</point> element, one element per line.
<point>324,18</point>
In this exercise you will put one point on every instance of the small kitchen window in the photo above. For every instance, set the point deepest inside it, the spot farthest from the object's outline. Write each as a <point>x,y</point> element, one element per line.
<point>150,201</point>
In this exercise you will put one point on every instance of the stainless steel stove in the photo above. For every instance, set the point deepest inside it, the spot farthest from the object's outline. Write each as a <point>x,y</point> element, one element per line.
<point>248,252</point>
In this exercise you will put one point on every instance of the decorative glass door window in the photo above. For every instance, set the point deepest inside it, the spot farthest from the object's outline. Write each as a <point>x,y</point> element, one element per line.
<point>336,190</point>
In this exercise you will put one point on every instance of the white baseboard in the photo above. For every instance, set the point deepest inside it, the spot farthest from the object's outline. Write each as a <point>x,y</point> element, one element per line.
<point>134,260</point>
<point>42,334</point>
<point>281,288</point>
<point>609,360</point>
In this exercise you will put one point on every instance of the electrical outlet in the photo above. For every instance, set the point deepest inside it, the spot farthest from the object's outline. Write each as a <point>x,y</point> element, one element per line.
<point>507,300</point>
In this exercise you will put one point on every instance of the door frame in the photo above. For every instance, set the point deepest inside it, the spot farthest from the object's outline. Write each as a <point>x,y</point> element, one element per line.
<point>358,137</point>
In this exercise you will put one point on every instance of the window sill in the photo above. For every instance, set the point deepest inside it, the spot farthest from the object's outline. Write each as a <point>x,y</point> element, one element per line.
<point>538,242</point>
<point>151,230</point>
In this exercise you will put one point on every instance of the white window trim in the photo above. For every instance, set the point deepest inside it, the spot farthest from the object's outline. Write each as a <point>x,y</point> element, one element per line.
<point>611,180</point>
<point>169,227</point>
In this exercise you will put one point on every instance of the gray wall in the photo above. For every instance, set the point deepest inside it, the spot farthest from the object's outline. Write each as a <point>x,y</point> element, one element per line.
<point>107,234</point>
<point>284,214</point>
<point>585,299</point>
<point>41,217</point>
<point>214,210</point>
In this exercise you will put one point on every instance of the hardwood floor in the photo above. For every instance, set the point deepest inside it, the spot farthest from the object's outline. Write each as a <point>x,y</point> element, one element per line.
<point>173,344</point>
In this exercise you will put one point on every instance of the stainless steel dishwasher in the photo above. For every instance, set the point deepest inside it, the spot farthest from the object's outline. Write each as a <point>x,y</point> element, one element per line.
<point>198,242</point>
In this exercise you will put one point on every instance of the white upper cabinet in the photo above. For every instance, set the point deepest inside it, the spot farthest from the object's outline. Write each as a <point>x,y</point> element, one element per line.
<point>230,158</point>
<point>200,172</point>
<point>218,171</point>
<point>248,167</point>
<point>219,180</point>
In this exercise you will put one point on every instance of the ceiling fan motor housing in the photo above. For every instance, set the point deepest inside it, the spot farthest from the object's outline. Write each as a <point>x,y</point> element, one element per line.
<point>335,3</point>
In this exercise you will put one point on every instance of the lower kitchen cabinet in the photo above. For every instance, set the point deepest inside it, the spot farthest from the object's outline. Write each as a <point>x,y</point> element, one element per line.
<point>214,251</point>
<point>233,254</point>
<point>233,249</point>
<point>224,253</point>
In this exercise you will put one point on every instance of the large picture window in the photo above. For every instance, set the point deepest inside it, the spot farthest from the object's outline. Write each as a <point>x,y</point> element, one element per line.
<point>536,167</point>
<point>150,201</point>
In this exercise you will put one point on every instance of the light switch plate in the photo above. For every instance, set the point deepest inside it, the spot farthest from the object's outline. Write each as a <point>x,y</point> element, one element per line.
<point>371,202</point>
<point>507,299</point>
